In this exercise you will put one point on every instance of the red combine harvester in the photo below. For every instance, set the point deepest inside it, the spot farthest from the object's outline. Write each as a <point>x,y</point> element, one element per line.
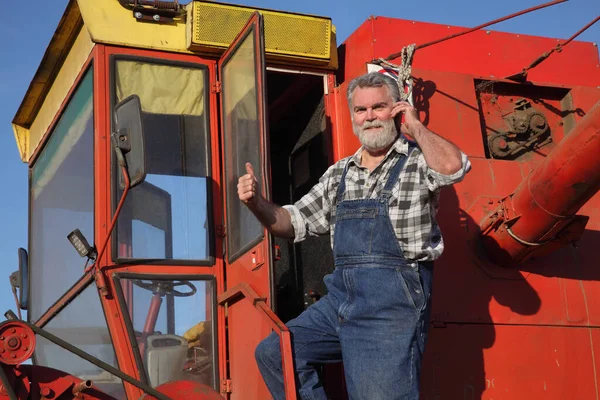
<point>145,276</point>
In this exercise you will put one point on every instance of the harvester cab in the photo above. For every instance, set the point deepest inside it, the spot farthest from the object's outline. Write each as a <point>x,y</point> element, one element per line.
<point>146,277</point>
<point>135,147</point>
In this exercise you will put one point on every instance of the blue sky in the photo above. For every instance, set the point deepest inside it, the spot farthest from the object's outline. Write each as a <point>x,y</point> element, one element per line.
<point>25,36</point>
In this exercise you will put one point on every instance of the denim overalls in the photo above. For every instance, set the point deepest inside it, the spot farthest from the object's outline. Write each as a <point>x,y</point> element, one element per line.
<point>374,317</point>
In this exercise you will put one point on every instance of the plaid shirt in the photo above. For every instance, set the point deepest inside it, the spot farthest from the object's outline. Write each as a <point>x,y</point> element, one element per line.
<point>412,206</point>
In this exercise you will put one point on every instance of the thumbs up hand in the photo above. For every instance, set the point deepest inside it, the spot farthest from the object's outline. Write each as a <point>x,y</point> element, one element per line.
<point>247,186</point>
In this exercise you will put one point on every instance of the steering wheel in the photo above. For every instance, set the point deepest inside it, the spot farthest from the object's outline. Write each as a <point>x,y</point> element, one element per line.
<point>166,287</point>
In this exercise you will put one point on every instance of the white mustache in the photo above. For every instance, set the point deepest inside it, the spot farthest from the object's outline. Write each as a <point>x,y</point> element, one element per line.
<point>374,124</point>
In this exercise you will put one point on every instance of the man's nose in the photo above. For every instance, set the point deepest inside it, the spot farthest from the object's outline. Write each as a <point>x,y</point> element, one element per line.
<point>370,114</point>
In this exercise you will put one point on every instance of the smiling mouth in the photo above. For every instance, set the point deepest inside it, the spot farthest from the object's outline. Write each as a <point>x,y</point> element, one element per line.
<point>373,127</point>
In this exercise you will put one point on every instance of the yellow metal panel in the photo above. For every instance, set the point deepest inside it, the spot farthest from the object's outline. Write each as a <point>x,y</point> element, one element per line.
<point>60,88</point>
<point>110,23</point>
<point>214,26</point>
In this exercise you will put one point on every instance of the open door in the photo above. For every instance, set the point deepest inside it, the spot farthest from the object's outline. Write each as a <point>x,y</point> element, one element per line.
<point>247,258</point>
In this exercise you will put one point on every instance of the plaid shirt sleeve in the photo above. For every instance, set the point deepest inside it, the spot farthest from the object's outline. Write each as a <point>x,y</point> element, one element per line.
<point>436,180</point>
<point>311,214</point>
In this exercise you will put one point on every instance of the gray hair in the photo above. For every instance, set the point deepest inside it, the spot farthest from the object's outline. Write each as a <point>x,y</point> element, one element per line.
<point>373,79</point>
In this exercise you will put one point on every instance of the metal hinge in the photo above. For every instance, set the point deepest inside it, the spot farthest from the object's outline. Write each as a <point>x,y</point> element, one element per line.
<point>221,231</point>
<point>216,87</point>
<point>226,386</point>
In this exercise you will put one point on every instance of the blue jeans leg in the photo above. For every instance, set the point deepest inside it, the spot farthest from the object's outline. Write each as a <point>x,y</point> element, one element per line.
<point>381,335</point>
<point>314,341</point>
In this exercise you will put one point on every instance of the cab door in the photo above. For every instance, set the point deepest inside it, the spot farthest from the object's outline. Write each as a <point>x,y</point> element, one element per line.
<point>247,255</point>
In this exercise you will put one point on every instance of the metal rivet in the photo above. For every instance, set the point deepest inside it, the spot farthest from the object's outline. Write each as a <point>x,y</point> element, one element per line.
<point>156,17</point>
<point>138,15</point>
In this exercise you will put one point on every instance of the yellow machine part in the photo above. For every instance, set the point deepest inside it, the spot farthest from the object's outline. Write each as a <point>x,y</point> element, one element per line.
<point>213,26</point>
<point>208,28</point>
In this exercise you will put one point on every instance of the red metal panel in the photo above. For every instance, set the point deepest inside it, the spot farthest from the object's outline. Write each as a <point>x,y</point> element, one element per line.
<point>448,106</point>
<point>561,289</point>
<point>510,362</point>
<point>493,54</point>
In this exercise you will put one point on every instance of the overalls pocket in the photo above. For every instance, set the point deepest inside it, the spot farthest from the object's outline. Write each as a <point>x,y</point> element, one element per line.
<point>410,279</point>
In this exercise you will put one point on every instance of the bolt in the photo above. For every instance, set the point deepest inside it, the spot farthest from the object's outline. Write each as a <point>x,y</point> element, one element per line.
<point>123,138</point>
<point>490,201</point>
<point>1,350</point>
<point>502,144</point>
<point>560,123</point>
<point>13,330</point>
<point>1,337</point>
<point>25,348</point>
<point>487,32</point>
<point>13,342</point>
<point>45,391</point>
<point>595,44</point>
<point>24,336</point>
<point>13,355</point>
<point>156,17</point>
<point>138,15</point>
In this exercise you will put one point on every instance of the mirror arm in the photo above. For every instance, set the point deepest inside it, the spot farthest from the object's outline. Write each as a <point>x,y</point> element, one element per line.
<point>120,156</point>
<point>99,276</point>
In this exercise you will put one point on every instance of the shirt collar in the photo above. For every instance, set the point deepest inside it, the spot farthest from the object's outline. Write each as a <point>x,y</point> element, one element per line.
<point>400,146</point>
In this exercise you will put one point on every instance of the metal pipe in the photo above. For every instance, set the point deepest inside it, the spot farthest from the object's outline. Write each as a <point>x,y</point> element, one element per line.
<point>89,274</point>
<point>422,46</point>
<point>521,75</point>
<point>81,386</point>
<point>100,364</point>
<point>151,318</point>
<point>551,195</point>
<point>65,299</point>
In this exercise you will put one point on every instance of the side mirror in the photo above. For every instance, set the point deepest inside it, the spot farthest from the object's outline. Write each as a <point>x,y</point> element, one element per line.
<point>20,279</point>
<point>128,139</point>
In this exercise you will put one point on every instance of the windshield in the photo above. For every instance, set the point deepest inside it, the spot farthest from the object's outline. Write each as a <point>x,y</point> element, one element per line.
<point>61,200</point>
<point>166,217</point>
<point>172,323</point>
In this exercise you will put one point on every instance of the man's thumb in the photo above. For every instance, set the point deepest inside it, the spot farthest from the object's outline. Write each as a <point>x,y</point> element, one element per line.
<point>249,169</point>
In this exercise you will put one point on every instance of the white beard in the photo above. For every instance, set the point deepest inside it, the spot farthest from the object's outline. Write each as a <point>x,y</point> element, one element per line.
<point>375,141</point>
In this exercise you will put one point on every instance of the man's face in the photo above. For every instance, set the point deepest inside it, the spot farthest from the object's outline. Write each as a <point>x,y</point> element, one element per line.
<point>372,117</point>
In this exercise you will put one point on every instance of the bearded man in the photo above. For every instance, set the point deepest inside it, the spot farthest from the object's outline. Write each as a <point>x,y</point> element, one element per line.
<point>379,207</point>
